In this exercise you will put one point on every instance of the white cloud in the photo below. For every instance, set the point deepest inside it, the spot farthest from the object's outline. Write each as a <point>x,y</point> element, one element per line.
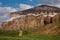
<point>51,2</point>
<point>57,5</point>
<point>0,3</point>
<point>4,13</point>
<point>4,10</point>
<point>7,9</point>
<point>39,4</point>
<point>25,6</point>
<point>31,0</point>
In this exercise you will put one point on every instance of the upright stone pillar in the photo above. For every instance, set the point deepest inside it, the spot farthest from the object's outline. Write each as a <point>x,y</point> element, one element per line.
<point>55,19</point>
<point>20,33</point>
<point>42,23</point>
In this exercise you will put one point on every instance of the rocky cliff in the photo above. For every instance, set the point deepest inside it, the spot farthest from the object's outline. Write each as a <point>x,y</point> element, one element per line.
<point>41,20</point>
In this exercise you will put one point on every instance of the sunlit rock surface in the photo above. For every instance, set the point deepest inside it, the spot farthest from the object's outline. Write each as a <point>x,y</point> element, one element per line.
<point>40,20</point>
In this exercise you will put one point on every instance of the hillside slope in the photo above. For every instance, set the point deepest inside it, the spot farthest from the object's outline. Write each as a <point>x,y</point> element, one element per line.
<point>40,20</point>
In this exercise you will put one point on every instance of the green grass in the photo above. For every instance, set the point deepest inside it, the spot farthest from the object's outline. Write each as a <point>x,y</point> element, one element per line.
<point>13,35</point>
<point>31,37</point>
<point>8,33</point>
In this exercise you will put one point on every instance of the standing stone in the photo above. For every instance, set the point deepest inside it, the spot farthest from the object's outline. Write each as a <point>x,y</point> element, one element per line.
<point>20,33</point>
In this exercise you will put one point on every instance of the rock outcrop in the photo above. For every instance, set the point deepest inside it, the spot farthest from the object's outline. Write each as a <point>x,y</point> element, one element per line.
<point>42,20</point>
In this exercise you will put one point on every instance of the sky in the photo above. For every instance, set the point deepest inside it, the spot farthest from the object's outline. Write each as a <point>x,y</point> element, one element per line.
<point>8,6</point>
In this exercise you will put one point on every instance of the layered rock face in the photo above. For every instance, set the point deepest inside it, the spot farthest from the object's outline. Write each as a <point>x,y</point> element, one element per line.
<point>44,22</point>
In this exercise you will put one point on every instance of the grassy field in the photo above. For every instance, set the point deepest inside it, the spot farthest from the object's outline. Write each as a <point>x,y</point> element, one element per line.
<point>13,35</point>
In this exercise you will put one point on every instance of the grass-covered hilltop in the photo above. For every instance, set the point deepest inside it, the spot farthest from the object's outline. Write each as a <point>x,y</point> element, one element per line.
<point>39,23</point>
